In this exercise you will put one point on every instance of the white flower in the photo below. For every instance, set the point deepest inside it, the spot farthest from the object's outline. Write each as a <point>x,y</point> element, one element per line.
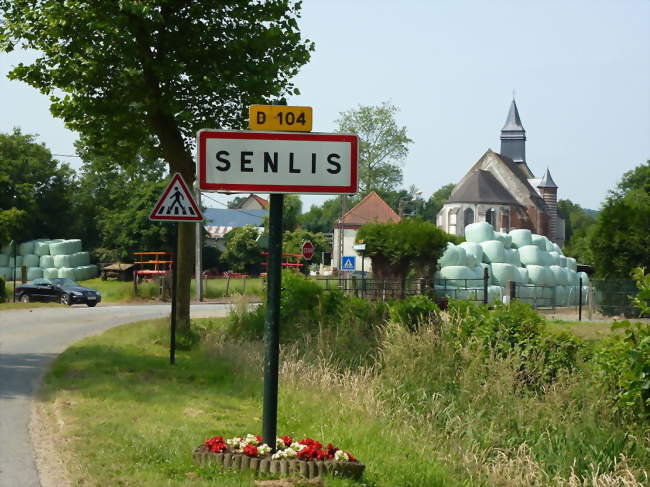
<point>251,440</point>
<point>279,443</point>
<point>341,456</point>
<point>277,455</point>
<point>297,446</point>
<point>290,453</point>
<point>234,442</point>
<point>263,449</point>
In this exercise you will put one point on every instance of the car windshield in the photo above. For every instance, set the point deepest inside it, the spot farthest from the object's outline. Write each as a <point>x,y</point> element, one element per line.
<point>64,282</point>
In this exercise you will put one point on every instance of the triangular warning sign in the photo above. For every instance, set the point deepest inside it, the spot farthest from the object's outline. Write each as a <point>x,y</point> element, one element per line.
<point>176,203</point>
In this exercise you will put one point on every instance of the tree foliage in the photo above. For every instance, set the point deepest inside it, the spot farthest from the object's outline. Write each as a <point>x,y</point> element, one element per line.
<point>320,219</point>
<point>577,224</point>
<point>436,201</point>
<point>292,243</point>
<point>397,248</point>
<point>243,254</point>
<point>383,145</point>
<point>620,240</point>
<point>36,192</point>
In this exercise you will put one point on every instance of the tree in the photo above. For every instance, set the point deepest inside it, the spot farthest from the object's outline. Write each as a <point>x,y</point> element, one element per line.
<point>125,72</point>
<point>435,203</point>
<point>620,240</point>
<point>36,192</point>
<point>577,224</point>
<point>292,243</point>
<point>383,145</point>
<point>320,219</point>
<point>395,249</point>
<point>243,254</point>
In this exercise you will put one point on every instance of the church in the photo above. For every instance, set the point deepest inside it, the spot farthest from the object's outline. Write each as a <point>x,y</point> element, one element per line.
<point>501,189</point>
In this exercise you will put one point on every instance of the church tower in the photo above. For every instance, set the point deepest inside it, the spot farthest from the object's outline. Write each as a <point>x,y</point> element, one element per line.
<point>548,190</point>
<point>513,141</point>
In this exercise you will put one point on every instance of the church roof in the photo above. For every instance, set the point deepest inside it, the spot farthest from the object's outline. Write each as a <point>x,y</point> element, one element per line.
<point>547,181</point>
<point>481,187</point>
<point>371,209</point>
<point>513,122</point>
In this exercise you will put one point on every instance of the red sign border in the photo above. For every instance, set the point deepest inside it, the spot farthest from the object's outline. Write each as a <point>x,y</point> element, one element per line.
<point>176,177</point>
<point>206,134</point>
<point>313,250</point>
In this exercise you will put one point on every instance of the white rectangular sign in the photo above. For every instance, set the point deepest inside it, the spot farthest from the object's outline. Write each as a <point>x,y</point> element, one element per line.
<point>277,162</point>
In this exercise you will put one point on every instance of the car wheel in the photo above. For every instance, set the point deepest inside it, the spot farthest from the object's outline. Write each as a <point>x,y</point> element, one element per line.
<point>24,298</point>
<point>91,305</point>
<point>65,299</point>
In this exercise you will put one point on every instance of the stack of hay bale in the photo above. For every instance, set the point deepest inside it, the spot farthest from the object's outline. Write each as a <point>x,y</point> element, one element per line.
<point>48,258</point>
<point>536,264</point>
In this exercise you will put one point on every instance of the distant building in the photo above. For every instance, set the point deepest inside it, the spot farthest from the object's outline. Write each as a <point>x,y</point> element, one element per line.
<point>501,189</point>
<point>371,209</point>
<point>253,202</point>
<point>220,221</point>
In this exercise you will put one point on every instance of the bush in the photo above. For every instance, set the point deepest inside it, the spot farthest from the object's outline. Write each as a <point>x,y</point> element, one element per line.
<point>3,290</point>
<point>413,311</point>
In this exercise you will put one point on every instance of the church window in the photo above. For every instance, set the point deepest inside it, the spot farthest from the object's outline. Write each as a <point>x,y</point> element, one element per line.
<point>468,216</point>
<point>490,217</point>
<point>505,219</point>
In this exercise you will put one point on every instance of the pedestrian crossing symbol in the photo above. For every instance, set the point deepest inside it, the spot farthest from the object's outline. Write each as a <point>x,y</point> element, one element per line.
<point>348,263</point>
<point>176,203</point>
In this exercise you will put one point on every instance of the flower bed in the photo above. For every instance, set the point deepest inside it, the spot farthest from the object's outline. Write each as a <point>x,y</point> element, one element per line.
<point>306,457</point>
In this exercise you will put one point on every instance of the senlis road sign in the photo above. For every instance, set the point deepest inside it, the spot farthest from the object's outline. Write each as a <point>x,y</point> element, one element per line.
<point>176,203</point>
<point>308,250</point>
<point>276,162</point>
<point>280,117</point>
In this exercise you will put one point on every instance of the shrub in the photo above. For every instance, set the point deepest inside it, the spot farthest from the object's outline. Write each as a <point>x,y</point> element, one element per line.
<point>3,290</point>
<point>413,311</point>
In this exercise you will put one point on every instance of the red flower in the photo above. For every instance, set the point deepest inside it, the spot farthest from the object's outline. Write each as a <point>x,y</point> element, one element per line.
<point>259,438</point>
<point>216,444</point>
<point>250,450</point>
<point>287,440</point>
<point>321,455</point>
<point>331,450</point>
<point>352,459</point>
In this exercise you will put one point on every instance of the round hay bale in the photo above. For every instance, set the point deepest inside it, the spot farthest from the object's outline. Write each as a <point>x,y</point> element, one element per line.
<point>473,248</point>
<point>26,248</point>
<point>456,274</point>
<point>93,271</point>
<point>546,258</point>
<point>521,237</point>
<point>42,247</point>
<point>46,261</point>
<point>65,247</point>
<point>495,293</point>
<point>31,260</point>
<point>584,277</point>
<point>555,258</point>
<point>16,263</point>
<point>560,276</point>
<point>561,296</point>
<point>81,258</point>
<point>540,241</point>
<point>4,260</point>
<point>51,273</point>
<point>531,255</point>
<point>80,273</point>
<point>512,257</point>
<point>493,251</point>
<point>470,261</point>
<point>571,263</point>
<point>479,232</point>
<point>67,272</point>
<point>505,273</point>
<point>504,238</point>
<point>572,277</point>
<point>536,274</point>
<point>34,273</point>
<point>62,261</point>
<point>453,256</point>
<point>561,261</point>
<point>524,275</point>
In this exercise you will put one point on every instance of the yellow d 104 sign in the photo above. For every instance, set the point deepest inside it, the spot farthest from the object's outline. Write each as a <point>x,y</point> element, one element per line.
<point>280,117</point>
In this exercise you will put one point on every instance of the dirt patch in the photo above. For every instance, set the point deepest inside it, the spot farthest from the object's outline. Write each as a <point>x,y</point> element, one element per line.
<point>45,432</point>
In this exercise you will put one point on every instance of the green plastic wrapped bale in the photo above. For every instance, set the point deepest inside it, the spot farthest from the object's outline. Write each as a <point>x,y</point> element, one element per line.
<point>546,258</point>
<point>477,271</point>
<point>531,255</point>
<point>17,263</point>
<point>495,293</point>
<point>574,280</point>
<point>7,250</point>
<point>4,260</point>
<point>474,249</point>
<point>571,264</point>
<point>80,259</point>
<point>31,260</point>
<point>584,277</point>
<point>504,238</point>
<point>561,296</point>
<point>34,273</point>
<point>489,269</point>
<point>523,272</point>
<point>62,261</point>
<point>573,295</point>
<point>470,260</point>
<point>5,272</point>
<point>493,251</point>
<point>51,273</point>
<point>453,256</point>
<point>512,257</point>
<point>457,274</point>
<point>93,271</point>
<point>26,248</point>
<point>521,237</point>
<point>42,247</point>
<point>80,273</point>
<point>479,232</point>
<point>561,261</point>
<point>66,247</point>
<point>470,294</point>
<point>540,241</point>
<point>46,261</point>
<point>555,258</point>
<point>505,273</point>
<point>536,274</point>
<point>67,272</point>
<point>560,275</point>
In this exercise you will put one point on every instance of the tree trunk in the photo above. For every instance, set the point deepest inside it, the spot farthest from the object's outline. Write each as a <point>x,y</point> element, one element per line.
<point>185,256</point>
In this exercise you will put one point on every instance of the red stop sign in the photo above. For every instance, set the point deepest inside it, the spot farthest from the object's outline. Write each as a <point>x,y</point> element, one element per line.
<point>308,250</point>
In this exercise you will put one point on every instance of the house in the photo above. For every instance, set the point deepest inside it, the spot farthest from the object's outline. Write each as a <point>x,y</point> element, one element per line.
<point>501,189</point>
<point>371,209</point>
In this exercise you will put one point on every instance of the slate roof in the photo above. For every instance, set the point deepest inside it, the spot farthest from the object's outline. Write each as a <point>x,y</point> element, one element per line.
<point>481,187</point>
<point>371,209</point>
<point>228,217</point>
<point>513,122</point>
<point>547,181</point>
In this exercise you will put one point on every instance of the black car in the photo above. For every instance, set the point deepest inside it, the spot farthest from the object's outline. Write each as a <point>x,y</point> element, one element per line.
<point>60,289</point>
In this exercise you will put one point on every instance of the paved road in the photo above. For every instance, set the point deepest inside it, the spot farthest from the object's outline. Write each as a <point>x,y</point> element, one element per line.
<point>29,342</point>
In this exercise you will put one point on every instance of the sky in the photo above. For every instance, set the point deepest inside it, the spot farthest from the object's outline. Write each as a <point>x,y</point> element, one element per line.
<point>580,71</point>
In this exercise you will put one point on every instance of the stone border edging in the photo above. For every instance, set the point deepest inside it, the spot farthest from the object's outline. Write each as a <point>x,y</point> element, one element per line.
<point>307,469</point>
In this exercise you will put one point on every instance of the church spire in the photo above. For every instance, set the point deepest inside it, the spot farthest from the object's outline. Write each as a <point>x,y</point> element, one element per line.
<point>513,140</point>
<point>547,181</point>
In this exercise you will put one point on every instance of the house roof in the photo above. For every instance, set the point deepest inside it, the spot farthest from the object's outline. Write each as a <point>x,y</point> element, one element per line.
<point>263,203</point>
<point>229,217</point>
<point>481,187</point>
<point>547,181</point>
<point>513,122</point>
<point>371,209</point>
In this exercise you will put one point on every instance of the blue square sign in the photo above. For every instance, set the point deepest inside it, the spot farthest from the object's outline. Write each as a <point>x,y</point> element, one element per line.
<point>348,263</point>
